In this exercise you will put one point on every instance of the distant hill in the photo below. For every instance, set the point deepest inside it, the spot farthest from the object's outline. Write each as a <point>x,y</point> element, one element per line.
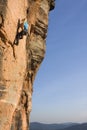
<point>41,126</point>
<point>77,127</point>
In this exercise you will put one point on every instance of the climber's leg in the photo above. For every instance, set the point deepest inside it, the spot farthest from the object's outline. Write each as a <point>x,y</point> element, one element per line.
<point>21,35</point>
<point>16,41</point>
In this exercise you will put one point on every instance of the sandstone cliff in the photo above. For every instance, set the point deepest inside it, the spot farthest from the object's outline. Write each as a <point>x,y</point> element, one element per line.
<point>20,63</point>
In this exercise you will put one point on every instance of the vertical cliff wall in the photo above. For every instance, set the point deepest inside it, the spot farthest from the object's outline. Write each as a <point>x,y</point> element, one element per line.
<point>20,63</point>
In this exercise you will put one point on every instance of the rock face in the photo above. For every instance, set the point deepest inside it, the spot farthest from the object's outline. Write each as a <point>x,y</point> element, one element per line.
<point>20,63</point>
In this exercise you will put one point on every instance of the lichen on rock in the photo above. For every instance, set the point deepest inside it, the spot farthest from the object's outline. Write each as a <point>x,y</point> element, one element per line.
<point>20,63</point>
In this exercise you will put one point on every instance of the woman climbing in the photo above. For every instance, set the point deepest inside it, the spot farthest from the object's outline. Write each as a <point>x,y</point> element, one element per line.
<point>24,30</point>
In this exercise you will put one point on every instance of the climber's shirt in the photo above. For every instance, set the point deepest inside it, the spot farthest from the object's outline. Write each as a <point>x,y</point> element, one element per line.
<point>25,26</point>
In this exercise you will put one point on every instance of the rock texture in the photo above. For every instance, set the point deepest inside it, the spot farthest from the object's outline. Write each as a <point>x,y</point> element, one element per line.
<point>19,64</point>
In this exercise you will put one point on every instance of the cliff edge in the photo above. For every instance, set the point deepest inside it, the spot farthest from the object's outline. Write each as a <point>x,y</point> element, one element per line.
<point>20,63</point>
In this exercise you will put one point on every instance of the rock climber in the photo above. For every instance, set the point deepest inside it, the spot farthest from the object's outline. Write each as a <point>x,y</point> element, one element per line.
<point>24,30</point>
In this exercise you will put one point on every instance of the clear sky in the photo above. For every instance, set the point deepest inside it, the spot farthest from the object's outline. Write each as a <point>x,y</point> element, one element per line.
<point>60,87</point>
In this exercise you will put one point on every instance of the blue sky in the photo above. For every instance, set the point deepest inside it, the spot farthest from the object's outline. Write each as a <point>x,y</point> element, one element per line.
<point>60,87</point>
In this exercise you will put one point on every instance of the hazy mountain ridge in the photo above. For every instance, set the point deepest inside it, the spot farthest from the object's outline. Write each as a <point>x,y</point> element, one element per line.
<point>42,126</point>
<point>62,126</point>
<point>77,127</point>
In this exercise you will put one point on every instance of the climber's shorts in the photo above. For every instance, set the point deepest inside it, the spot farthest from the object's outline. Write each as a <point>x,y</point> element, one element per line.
<point>25,32</point>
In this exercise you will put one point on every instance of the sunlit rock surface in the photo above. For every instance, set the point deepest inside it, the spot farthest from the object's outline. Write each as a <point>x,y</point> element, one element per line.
<point>20,63</point>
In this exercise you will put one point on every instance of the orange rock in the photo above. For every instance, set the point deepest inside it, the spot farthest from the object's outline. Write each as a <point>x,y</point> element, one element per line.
<point>19,64</point>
